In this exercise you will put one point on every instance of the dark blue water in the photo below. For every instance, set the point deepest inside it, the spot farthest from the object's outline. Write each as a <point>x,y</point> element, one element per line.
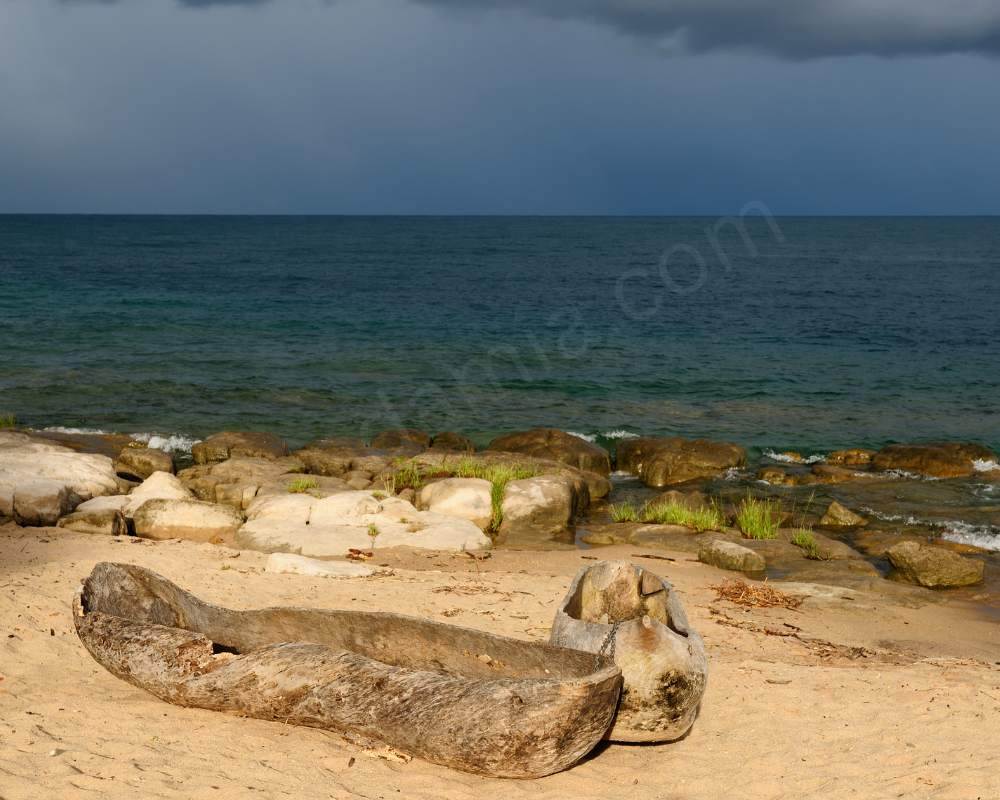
<point>805,333</point>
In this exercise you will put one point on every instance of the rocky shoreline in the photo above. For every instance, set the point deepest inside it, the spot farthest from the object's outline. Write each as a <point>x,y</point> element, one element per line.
<point>846,519</point>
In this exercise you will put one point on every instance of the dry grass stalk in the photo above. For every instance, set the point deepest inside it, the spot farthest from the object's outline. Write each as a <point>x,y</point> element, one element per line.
<point>757,595</point>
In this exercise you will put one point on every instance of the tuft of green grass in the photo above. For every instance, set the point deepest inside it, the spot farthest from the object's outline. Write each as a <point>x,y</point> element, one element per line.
<point>704,518</point>
<point>804,539</point>
<point>624,512</point>
<point>300,485</point>
<point>499,475</point>
<point>8,420</point>
<point>408,475</point>
<point>758,518</point>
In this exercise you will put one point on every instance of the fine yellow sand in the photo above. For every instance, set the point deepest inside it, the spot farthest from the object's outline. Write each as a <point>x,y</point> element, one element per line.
<point>892,695</point>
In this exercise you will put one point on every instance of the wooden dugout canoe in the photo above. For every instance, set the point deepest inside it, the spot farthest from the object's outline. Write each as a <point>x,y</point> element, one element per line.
<point>459,697</point>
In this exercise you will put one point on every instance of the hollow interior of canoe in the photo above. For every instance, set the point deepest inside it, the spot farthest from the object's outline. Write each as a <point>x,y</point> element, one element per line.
<point>142,597</point>
<point>616,592</point>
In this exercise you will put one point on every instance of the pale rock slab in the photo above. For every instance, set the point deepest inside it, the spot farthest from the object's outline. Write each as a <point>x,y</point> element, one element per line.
<point>289,564</point>
<point>466,498</point>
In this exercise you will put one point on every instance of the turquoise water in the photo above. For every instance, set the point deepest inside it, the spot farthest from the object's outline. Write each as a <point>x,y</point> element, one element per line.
<point>821,333</point>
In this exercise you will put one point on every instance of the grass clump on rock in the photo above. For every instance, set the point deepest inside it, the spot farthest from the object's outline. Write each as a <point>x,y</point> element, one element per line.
<point>300,485</point>
<point>758,518</point>
<point>703,518</point>
<point>625,512</point>
<point>499,475</point>
<point>805,540</point>
<point>410,474</point>
<point>8,420</point>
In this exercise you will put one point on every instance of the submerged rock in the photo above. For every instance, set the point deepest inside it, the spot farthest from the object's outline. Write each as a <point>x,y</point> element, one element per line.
<point>556,445</point>
<point>941,460</point>
<point>933,567</point>
<point>402,438</point>
<point>853,457</point>
<point>451,442</point>
<point>839,516</point>
<point>729,555</point>
<point>230,444</point>
<point>634,616</point>
<point>669,461</point>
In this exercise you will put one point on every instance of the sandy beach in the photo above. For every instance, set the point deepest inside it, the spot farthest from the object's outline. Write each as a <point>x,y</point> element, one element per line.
<point>850,695</point>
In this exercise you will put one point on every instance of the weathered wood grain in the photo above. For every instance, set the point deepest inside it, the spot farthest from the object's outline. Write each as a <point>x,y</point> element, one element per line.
<point>463,698</point>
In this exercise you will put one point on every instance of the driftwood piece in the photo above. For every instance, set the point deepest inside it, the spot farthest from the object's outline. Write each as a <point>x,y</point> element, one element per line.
<point>632,614</point>
<point>463,698</point>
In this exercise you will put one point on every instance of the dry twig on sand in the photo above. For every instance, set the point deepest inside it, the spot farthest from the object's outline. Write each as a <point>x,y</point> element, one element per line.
<point>755,595</point>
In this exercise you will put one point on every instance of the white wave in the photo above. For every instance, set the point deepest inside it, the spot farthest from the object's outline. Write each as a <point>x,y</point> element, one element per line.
<point>908,520</point>
<point>615,434</point>
<point>899,474</point>
<point>985,465</point>
<point>954,530</point>
<point>985,536</point>
<point>86,431</point>
<point>620,434</point>
<point>733,474</point>
<point>171,442</point>
<point>787,459</point>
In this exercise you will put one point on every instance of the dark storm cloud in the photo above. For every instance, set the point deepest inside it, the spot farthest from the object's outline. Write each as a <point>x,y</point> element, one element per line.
<point>788,28</point>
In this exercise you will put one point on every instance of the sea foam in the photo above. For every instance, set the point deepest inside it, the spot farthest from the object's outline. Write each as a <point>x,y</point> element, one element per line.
<point>954,530</point>
<point>787,459</point>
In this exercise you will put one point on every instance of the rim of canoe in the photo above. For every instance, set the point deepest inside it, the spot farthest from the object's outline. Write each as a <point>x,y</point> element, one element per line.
<point>464,698</point>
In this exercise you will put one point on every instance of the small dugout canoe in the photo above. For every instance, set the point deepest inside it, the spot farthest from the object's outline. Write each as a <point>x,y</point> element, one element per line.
<point>463,698</point>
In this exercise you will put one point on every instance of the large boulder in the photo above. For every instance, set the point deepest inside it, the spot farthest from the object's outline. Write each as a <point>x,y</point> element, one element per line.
<point>839,516</point>
<point>101,515</point>
<point>141,462</point>
<point>230,444</point>
<point>158,486</point>
<point>111,514</point>
<point>237,481</point>
<point>194,520</point>
<point>436,464</point>
<point>670,461</point>
<point>452,442</point>
<point>467,498</point>
<point>40,482</point>
<point>556,445</point>
<point>933,567</point>
<point>941,460</point>
<point>543,505</point>
<point>852,457</point>
<point>333,526</point>
<point>729,555</point>
<point>339,456</point>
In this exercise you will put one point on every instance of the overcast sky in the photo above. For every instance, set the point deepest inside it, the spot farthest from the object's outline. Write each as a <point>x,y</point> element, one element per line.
<point>479,106</point>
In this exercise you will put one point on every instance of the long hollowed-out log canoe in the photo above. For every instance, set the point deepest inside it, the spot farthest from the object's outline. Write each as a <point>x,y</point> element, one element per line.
<point>463,698</point>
